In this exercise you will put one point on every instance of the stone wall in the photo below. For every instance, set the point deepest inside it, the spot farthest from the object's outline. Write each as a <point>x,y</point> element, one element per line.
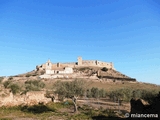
<point>53,66</point>
<point>96,63</point>
<point>31,98</point>
<point>66,70</point>
<point>50,72</point>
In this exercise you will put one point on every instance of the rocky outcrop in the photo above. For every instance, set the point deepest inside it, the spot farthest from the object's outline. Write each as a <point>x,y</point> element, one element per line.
<point>139,106</point>
<point>30,98</point>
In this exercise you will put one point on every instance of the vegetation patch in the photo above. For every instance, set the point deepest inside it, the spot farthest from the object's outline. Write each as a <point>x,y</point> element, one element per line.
<point>28,75</point>
<point>10,78</point>
<point>126,94</point>
<point>34,85</point>
<point>7,84</point>
<point>84,68</point>
<point>1,79</point>
<point>104,69</point>
<point>36,109</point>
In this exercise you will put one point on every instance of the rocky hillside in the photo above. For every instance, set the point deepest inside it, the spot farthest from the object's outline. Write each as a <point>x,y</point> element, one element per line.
<point>83,72</point>
<point>104,73</point>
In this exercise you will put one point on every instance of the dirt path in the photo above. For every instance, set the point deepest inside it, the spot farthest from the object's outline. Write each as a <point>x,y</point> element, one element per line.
<point>105,104</point>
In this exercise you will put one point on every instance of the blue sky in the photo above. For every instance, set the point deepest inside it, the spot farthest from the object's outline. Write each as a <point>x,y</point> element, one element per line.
<point>125,32</point>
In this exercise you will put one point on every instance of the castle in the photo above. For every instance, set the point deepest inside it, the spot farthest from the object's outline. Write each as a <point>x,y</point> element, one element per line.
<point>67,68</point>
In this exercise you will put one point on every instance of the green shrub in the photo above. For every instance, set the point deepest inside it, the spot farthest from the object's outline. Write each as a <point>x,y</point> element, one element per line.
<point>55,106</point>
<point>42,72</point>
<point>84,68</point>
<point>34,75</point>
<point>6,84</point>
<point>102,93</point>
<point>34,85</point>
<point>80,117</point>
<point>14,88</point>
<point>91,112</point>
<point>28,75</point>
<point>10,78</point>
<point>36,109</point>
<point>104,69</point>
<point>109,112</point>
<point>1,79</point>
<point>88,93</point>
<point>96,93</point>
<point>126,94</point>
<point>149,95</point>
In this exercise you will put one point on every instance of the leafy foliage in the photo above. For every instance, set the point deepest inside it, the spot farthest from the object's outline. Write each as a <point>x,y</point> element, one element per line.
<point>126,94</point>
<point>102,93</point>
<point>34,85</point>
<point>96,93</point>
<point>28,75</point>
<point>148,95</point>
<point>50,94</point>
<point>84,68</point>
<point>6,83</point>
<point>14,88</point>
<point>1,79</point>
<point>73,90</point>
<point>36,109</point>
<point>42,72</point>
<point>104,69</point>
<point>68,89</point>
<point>10,78</point>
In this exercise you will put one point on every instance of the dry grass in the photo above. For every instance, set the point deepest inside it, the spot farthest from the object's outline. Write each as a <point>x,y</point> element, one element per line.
<point>109,86</point>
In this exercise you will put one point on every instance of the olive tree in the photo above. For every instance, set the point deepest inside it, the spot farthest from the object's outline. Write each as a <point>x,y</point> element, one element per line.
<point>94,92</point>
<point>15,88</point>
<point>73,90</point>
<point>7,83</point>
<point>33,85</point>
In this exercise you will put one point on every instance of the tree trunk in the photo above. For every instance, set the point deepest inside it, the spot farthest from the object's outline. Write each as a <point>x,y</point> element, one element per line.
<point>75,107</point>
<point>74,99</point>
<point>52,98</point>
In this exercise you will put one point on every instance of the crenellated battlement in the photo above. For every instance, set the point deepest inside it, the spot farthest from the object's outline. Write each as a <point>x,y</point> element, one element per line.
<point>80,63</point>
<point>94,63</point>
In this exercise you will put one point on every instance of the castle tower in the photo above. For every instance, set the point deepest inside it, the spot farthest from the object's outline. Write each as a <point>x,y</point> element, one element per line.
<point>58,64</point>
<point>48,65</point>
<point>112,67</point>
<point>79,60</point>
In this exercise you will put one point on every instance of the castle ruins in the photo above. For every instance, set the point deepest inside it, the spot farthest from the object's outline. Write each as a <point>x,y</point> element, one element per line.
<point>54,68</point>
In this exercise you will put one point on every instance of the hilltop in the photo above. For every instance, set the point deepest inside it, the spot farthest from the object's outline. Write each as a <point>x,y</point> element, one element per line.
<point>90,69</point>
<point>92,73</point>
<point>36,89</point>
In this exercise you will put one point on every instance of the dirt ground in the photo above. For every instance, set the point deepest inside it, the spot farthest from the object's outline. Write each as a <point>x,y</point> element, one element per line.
<point>106,104</point>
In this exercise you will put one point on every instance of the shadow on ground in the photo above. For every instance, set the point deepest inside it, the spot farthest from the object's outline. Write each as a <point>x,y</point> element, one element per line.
<point>101,117</point>
<point>36,109</point>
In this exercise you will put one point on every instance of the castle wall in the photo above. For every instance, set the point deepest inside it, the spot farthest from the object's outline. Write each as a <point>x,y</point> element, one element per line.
<point>79,60</point>
<point>55,66</point>
<point>96,63</point>
<point>50,71</point>
<point>89,63</point>
<point>70,64</point>
<point>31,98</point>
<point>104,64</point>
<point>43,66</point>
<point>62,65</point>
<point>68,70</point>
<point>48,66</point>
